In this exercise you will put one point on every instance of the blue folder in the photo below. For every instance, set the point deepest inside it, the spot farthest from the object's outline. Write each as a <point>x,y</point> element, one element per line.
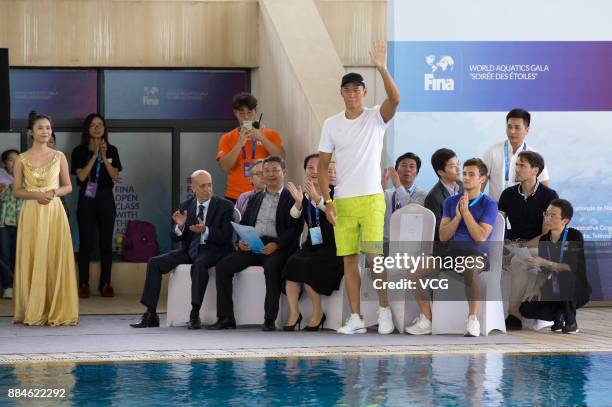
<point>249,235</point>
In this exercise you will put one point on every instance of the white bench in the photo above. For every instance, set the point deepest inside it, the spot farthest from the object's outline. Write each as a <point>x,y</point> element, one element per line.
<point>249,295</point>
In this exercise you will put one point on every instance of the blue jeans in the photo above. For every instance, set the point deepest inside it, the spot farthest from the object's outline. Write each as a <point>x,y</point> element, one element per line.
<point>8,247</point>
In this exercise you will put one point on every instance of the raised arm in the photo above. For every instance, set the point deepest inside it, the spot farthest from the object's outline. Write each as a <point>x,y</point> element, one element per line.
<point>227,160</point>
<point>83,173</point>
<point>379,58</point>
<point>269,145</point>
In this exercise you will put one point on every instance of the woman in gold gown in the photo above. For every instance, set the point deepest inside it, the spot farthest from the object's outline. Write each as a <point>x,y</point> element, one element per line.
<point>45,290</point>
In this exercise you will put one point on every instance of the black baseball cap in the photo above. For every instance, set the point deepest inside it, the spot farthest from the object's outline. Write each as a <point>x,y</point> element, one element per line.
<point>352,77</point>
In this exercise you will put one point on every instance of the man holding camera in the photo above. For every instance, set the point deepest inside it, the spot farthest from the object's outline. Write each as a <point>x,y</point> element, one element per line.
<point>240,148</point>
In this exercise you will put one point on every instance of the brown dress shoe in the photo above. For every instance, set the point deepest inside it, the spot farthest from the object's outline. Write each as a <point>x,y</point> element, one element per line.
<point>84,291</point>
<point>107,291</point>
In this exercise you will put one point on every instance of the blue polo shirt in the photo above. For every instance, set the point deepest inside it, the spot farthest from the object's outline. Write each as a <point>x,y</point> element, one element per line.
<point>485,210</point>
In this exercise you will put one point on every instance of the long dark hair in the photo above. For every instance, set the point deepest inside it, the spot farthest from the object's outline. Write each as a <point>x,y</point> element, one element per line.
<point>85,130</point>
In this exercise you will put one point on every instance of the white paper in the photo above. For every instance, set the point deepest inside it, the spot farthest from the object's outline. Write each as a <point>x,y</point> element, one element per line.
<point>411,227</point>
<point>522,253</point>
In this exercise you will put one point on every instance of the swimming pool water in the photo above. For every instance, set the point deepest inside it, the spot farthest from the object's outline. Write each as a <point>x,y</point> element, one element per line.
<point>438,380</point>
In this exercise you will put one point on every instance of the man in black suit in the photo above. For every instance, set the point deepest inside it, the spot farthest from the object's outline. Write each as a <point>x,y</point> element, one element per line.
<point>267,211</point>
<point>202,225</point>
<point>447,167</point>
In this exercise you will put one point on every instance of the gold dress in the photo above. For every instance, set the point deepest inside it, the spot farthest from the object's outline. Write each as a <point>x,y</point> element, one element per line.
<point>45,286</point>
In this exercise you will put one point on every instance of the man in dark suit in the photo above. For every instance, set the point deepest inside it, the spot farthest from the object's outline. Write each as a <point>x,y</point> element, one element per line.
<point>267,211</point>
<point>202,225</point>
<point>447,167</point>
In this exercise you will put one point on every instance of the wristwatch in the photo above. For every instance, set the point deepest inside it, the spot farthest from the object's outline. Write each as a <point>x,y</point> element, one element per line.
<point>329,201</point>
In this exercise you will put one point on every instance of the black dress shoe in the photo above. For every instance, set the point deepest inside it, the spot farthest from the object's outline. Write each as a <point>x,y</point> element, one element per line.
<point>149,320</point>
<point>268,325</point>
<point>223,324</point>
<point>194,320</point>
<point>571,328</point>
<point>558,324</point>
<point>513,323</point>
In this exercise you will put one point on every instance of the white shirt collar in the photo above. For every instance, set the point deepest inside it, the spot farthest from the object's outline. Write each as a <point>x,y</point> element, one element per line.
<point>277,193</point>
<point>534,190</point>
<point>206,203</point>
<point>518,150</point>
<point>452,192</point>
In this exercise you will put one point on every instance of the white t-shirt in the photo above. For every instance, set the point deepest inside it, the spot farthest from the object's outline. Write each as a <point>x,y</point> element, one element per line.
<point>358,146</point>
<point>495,158</point>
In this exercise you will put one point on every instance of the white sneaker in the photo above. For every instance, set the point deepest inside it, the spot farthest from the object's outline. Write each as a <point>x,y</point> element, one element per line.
<point>8,294</point>
<point>420,326</point>
<point>385,321</point>
<point>472,326</point>
<point>353,325</point>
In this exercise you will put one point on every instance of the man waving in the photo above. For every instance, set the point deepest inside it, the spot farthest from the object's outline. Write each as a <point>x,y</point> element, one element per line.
<point>356,137</point>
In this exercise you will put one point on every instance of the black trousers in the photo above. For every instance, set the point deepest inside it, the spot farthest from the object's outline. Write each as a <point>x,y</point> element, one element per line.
<point>549,310</point>
<point>99,213</point>
<point>162,264</point>
<point>236,262</point>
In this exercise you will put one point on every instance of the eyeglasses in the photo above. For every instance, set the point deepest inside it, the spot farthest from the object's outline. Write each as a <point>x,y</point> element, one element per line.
<point>273,171</point>
<point>96,126</point>
<point>550,215</point>
<point>258,173</point>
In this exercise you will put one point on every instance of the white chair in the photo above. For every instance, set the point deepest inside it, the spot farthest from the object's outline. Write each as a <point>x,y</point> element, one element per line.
<point>450,316</point>
<point>179,297</point>
<point>249,295</point>
<point>411,231</point>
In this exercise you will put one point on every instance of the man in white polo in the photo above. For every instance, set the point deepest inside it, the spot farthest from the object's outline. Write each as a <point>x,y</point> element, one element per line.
<point>358,208</point>
<point>501,157</point>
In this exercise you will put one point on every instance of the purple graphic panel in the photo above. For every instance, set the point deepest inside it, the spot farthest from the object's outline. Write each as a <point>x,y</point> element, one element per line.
<point>59,93</point>
<point>173,95</point>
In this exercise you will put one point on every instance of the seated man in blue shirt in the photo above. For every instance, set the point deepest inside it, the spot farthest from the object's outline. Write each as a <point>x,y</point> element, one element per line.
<point>466,226</point>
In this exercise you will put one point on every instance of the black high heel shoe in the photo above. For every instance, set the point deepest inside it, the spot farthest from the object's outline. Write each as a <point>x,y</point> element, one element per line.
<point>317,327</point>
<point>292,327</point>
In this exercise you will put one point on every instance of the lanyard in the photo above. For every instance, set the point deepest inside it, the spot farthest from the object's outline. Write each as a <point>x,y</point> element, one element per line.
<point>98,165</point>
<point>507,159</point>
<point>396,205</point>
<point>563,240</point>
<point>310,215</point>
<point>253,148</point>
<point>475,201</point>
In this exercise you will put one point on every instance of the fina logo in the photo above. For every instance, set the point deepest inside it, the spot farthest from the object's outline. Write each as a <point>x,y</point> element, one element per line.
<point>150,96</point>
<point>445,64</point>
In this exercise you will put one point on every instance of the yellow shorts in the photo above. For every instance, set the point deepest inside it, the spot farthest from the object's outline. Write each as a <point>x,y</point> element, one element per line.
<point>360,218</point>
